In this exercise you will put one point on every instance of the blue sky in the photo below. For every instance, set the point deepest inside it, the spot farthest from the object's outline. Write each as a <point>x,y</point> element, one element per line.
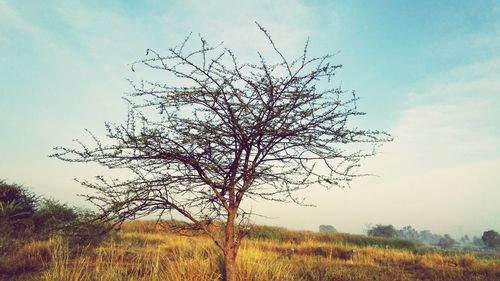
<point>426,71</point>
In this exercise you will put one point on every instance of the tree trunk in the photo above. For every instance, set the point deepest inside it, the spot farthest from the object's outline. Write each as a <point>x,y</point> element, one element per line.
<point>230,249</point>
<point>229,273</point>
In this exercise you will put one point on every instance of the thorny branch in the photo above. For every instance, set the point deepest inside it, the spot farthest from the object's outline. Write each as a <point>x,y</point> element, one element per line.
<point>226,132</point>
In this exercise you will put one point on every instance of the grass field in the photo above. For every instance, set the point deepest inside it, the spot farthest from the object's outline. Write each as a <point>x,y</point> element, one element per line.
<point>141,251</point>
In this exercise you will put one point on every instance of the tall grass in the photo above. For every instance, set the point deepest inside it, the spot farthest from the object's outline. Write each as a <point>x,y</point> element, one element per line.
<point>141,252</point>
<point>280,234</point>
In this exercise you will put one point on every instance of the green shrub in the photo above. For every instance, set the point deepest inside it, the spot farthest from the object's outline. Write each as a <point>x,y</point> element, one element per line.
<point>17,207</point>
<point>382,231</point>
<point>491,239</point>
<point>24,217</point>
<point>446,242</point>
<point>53,217</point>
<point>327,228</point>
<point>89,229</point>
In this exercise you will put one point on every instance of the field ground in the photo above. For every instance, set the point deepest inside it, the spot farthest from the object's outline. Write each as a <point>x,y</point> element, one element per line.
<point>140,251</point>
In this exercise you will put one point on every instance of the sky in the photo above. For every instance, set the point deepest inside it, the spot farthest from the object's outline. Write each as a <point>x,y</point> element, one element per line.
<point>428,72</point>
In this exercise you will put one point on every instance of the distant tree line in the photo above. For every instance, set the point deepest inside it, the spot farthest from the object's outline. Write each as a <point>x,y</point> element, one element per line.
<point>489,239</point>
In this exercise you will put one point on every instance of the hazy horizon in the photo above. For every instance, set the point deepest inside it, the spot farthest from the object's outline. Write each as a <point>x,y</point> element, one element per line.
<point>428,72</point>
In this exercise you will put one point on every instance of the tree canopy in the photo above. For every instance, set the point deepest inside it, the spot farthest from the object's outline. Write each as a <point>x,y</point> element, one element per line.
<point>382,231</point>
<point>491,239</point>
<point>218,131</point>
<point>446,242</point>
<point>327,228</point>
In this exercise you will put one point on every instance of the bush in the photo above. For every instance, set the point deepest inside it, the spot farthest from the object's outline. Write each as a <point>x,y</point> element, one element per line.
<point>17,208</point>
<point>53,217</point>
<point>88,229</point>
<point>446,242</point>
<point>327,228</point>
<point>24,216</point>
<point>382,231</point>
<point>491,239</point>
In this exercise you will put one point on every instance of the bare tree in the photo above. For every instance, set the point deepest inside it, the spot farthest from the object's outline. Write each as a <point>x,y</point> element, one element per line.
<point>222,131</point>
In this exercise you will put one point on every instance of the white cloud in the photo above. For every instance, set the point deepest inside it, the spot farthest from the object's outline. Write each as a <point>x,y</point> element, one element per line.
<point>455,117</point>
<point>440,173</point>
<point>440,170</point>
<point>7,12</point>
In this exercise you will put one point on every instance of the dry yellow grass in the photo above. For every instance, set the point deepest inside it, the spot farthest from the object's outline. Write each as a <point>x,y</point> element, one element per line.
<point>151,255</point>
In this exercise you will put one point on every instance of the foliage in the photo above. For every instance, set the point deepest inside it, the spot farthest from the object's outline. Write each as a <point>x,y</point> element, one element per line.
<point>17,207</point>
<point>25,217</point>
<point>327,228</point>
<point>88,229</point>
<point>446,242</point>
<point>491,239</point>
<point>53,217</point>
<point>408,233</point>
<point>382,231</point>
<point>429,237</point>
